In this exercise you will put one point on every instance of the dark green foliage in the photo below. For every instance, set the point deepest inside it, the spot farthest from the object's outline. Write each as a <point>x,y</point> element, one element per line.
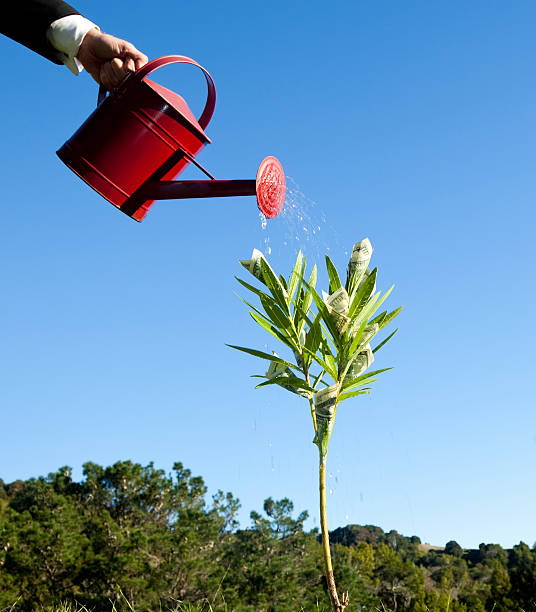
<point>453,548</point>
<point>152,536</point>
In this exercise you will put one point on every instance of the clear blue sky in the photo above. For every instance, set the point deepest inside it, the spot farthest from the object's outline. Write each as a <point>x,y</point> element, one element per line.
<point>411,123</point>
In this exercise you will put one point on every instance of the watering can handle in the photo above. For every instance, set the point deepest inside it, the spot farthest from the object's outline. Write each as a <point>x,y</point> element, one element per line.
<point>206,115</point>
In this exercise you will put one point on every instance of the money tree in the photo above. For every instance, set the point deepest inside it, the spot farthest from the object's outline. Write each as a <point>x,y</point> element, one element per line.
<point>328,338</point>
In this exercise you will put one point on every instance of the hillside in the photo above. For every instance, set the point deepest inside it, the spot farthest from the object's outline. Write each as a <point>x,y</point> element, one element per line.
<point>155,537</point>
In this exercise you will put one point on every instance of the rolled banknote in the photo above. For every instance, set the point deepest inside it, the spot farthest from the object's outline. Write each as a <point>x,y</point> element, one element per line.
<point>253,265</point>
<point>338,304</point>
<point>276,370</point>
<point>325,401</point>
<point>360,363</point>
<point>360,257</point>
<point>339,301</point>
<point>368,332</point>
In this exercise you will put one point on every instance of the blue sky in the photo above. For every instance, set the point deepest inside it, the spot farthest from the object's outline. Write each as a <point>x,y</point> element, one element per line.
<point>410,123</point>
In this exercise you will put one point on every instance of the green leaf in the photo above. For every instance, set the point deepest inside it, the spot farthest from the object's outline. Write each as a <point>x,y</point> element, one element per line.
<point>255,309</point>
<point>353,283</point>
<point>287,381</point>
<point>364,379</point>
<point>367,381</point>
<point>319,379</point>
<point>302,307</point>
<point>334,280</point>
<point>277,316</point>
<point>251,287</point>
<point>375,303</point>
<point>362,295</point>
<point>295,275</point>
<point>353,394</point>
<point>325,348</point>
<point>324,365</point>
<point>357,338</point>
<point>326,316</point>
<point>384,341</point>
<point>262,355</point>
<point>275,286</point>
<point>300,292</point>
<point>314,336</point>
<point>378,318</point>
<point>302,318</point>
<point>308,299</point>
<point>330,360</point>
<point>390,317</point>
<point>274,331</point>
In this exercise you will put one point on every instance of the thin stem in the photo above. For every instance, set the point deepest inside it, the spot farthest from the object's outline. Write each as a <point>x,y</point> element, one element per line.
<point>337,605</point>
<point>311,401</point>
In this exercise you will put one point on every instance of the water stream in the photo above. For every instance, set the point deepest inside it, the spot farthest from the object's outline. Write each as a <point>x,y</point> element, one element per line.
<point>301,225</point>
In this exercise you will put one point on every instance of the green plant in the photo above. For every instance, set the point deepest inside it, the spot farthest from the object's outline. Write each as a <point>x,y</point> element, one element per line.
<point>330,345</point>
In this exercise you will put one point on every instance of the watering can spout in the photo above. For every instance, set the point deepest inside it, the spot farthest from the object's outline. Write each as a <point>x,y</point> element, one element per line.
<point>142,135</point>
<point>180,190</point>
<point>269,187</point>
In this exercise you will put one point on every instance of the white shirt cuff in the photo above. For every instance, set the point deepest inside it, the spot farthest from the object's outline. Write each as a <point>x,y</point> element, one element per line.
<point>66,36</point>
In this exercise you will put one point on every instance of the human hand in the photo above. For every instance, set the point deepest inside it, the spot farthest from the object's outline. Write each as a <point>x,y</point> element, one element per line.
<point>108,59</point>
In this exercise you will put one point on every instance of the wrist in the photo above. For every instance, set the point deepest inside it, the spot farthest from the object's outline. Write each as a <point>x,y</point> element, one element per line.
<point>88,38</point>
<point>67,34</point>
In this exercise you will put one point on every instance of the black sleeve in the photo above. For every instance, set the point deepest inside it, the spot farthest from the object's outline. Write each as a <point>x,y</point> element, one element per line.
<point>27,22</point>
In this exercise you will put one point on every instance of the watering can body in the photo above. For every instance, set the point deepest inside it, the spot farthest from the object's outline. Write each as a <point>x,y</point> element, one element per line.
<point>142,135</point>
<point>139,134</point>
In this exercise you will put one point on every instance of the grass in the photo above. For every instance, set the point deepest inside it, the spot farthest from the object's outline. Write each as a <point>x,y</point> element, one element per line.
<point>181,607</point>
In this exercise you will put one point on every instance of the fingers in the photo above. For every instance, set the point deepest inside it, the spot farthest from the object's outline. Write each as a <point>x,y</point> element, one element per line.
<point>114,71</point>
<point>129,51</point>
<point>109,59</point>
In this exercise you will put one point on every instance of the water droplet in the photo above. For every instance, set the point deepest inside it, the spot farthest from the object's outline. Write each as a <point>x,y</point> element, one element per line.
<point>268,250</point>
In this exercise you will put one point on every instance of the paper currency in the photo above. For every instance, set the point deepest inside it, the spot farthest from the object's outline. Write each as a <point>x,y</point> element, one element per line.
<point>325,401</point>
<point>360,258</point>
<point>276,370</point>
<point>360,363</point>
<point>339,301</point>
<point>253,265</point>
<point>368,333</point>
<point>338,304</point>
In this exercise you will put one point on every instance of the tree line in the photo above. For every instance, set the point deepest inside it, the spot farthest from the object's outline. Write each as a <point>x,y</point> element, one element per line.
<point>134,531</point>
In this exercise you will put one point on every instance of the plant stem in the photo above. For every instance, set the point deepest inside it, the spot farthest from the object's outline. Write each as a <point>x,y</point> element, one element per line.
<point>337,606</point>
<point>311,401</point>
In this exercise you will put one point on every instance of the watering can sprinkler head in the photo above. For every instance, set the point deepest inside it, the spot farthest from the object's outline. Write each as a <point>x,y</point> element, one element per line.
<point>142,135</point>
<point>270,187</point>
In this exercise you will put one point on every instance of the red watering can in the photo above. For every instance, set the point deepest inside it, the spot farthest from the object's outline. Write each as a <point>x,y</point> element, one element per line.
<point>142,135</point>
